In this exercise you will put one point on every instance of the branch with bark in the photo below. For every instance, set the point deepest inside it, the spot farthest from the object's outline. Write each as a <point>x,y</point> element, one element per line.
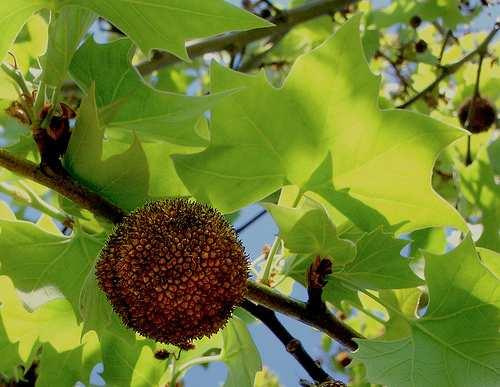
<point>234,41</point>
<point>292,345</point>
<point>87,199</point>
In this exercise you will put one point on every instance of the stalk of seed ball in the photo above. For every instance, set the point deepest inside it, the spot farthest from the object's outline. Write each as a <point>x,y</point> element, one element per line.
<point>174,271</point>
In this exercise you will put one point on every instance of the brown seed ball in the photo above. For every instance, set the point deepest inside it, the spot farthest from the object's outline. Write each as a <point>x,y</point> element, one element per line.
<point>421,46</point>
<point>415,21</point>
<point>484,115</point>
<point>174,271</point>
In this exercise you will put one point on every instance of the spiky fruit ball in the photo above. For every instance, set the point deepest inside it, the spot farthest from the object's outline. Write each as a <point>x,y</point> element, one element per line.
<point>483,114</point>
<point>174,271</point>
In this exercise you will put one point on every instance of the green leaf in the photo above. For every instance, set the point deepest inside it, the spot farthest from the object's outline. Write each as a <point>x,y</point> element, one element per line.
<point>432,240</point>
<point>66,30</point>
<point>404,300</point>
<point>147,23</point>
<point>240,354</point>
<point>10,355</point>
<point>126,187</point>
<point>401,11</point>
<point>479,186</point>
<point>456,342</point>
<point>95,308</point>
<point>377,265</point>
<point>34,258</point>
<point>311,232</point>
<point>59,369</point>
<point>128,361</point>
<point>13,15</point>
<point>22,331</point>
<point>127,102</point>
<point>381,160</point>
<point>33,43</point>
<point>490,260</point>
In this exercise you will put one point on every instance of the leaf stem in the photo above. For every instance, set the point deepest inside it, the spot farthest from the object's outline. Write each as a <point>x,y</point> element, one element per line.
<point>41,205</point>
<point>193,362</point>
<point>269,261</point>
<point>14,74</point>
<point>173,362</point>
<point>28,197</point>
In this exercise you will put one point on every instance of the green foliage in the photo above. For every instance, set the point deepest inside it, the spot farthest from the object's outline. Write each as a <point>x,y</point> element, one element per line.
<point>311,232</point>
<point>480,189</point>
<point>456,341</point>
<point>66,31</point>
<point>240,354</point>
<point>194,18</point>
<point>405,206</point>
<point>159,115</point>
<point>379,167</point>
<point>64,262</point>
<point>127,188</point>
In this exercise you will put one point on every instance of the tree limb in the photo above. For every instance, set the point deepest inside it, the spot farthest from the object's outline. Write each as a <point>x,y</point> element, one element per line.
<point>285,21</point>
<point>64,185</point>
<point>322,320</point>
<point>293,346</point>
<point>91,201</point>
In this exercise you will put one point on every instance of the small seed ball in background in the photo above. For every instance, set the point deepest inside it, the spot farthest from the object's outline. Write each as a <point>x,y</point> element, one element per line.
<point>174,271</point>
<point>415,21</point>
<point>421,46</point>
<point>483,115</point>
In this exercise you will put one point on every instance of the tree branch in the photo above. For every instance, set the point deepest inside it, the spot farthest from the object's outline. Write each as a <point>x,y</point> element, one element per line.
<point>293,346</point>
<point>91,201</point>
<point>322,320</point>
<point>64,185</point>
<point>284,21</point>
<point>447,70</point>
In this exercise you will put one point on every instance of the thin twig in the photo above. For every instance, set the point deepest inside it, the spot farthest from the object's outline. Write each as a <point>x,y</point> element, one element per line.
<point>445,71</point>
<point>397,71</point>
<point>471,112</point>
<point>26,196</point>
<point>247,224</point>
<point>443,46</point>
<point>293,346</point>
<point>285,21</point>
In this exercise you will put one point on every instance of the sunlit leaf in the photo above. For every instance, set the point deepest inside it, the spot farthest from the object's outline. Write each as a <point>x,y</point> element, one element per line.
<point>240,354</point>
<point>456,342</point>
<point>127,187</point>
<point>381,160</point>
